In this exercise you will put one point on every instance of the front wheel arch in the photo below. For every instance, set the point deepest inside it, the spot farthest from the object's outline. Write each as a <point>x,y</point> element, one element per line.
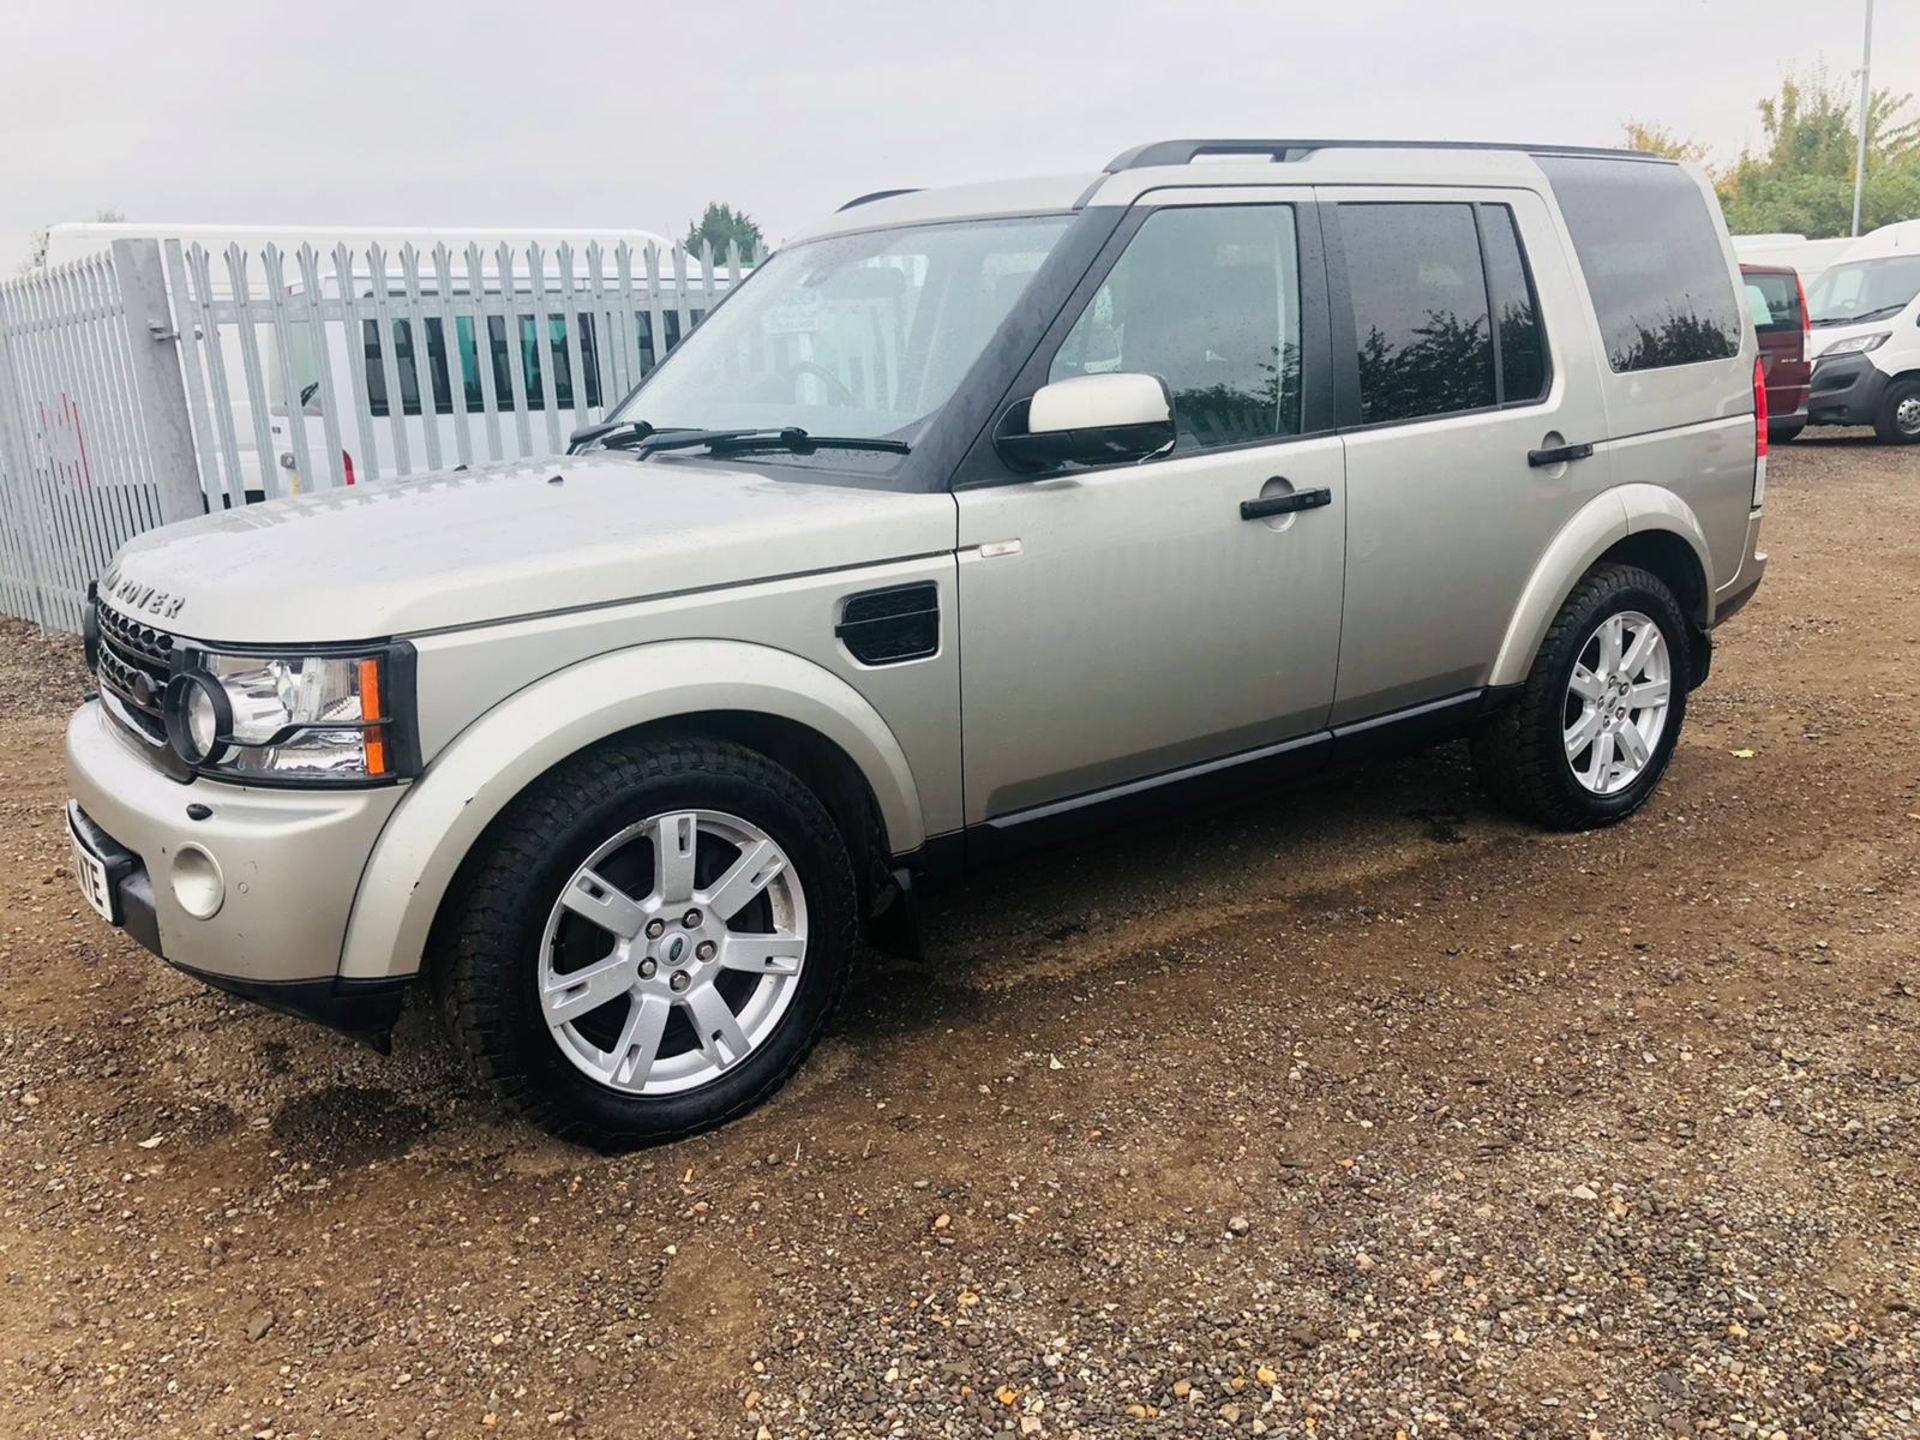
<point>507,750</point>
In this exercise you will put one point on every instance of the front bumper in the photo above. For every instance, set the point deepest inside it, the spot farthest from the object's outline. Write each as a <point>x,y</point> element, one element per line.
<point>289,863</point>
<point>1845,390</point>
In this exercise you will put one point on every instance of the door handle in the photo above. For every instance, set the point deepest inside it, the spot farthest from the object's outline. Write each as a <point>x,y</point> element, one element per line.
<point>1558,455</point>
<point>1284,504</point>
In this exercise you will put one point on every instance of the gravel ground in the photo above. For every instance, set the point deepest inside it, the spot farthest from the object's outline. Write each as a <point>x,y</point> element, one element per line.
<point>1364,1111</point>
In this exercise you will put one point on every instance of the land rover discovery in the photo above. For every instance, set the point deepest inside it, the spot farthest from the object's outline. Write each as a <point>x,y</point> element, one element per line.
<point>973,517</point>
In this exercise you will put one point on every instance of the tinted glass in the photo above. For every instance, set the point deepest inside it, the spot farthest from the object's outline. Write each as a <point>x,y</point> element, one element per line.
<point>1523,355</point>
<point>1652,259</point>
<point>1419,310</point>
<point>1774,301</point>
<point>1209,300</point>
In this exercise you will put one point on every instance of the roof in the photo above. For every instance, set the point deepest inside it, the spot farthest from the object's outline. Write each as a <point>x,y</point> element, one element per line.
<point>1186,164</point>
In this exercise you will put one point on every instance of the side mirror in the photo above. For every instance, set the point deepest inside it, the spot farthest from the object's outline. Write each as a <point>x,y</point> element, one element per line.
<point>1089,420</point>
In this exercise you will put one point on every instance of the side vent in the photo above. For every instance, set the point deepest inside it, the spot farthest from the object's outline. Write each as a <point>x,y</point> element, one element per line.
<point>886,627</point>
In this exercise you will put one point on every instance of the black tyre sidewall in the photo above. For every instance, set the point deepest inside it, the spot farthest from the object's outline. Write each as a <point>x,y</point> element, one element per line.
<point>1785,434</point>
<point>1636,590</point>
<point>571,1102</point>
<point>1888,427</point>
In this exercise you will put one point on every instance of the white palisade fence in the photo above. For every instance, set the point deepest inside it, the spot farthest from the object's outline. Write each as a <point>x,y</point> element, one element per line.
<point>160,379</point>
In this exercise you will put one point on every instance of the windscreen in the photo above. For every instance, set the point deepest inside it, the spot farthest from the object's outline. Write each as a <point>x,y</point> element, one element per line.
<point>863,335</point>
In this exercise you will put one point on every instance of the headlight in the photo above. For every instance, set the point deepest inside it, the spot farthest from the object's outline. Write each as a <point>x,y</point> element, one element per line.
<point>313,719</point>
<point>1857,345</point>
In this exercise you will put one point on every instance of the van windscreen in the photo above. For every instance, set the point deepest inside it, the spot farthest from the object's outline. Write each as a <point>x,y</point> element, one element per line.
<point>1652,259</point>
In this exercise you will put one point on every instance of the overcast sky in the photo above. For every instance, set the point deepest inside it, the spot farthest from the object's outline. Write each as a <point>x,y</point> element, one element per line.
<point>629,113</point>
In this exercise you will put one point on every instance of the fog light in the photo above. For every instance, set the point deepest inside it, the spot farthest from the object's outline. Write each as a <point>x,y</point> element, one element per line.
<point>197,883</point>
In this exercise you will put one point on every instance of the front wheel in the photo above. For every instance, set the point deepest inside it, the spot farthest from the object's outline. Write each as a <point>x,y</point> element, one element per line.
<point>1599,715</point>
<point>652,941</point>
<point>1898,422</point>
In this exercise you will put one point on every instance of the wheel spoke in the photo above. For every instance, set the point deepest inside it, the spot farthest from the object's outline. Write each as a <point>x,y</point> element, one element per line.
<point>633,1053</point>
<point>1600,768</point>
<point>1635,746</point>
<point>1639,654</point>
<point>764,954</point>
<point>1585,683</point>
<point>568,997</point>
<point>605,904</point>
<point>1580,734</point>
<point>758,864</point>
<point>1648,694</point>
<point>1612,634</point>
<point>715,1026</point>
<point>675,842</point>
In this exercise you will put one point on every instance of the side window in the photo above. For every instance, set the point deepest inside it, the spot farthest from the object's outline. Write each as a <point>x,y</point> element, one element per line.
<point>1774,301</point>
<point>1209,300</point>
<point>1652,259</point>
<point>1517,336</point>
<point>1420,313</point>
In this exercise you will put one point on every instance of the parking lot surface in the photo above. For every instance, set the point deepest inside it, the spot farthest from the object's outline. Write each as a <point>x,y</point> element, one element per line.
<point>1361,1110</point>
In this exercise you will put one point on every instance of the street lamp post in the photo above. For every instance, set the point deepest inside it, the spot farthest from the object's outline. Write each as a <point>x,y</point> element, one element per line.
<point>1866,93</point>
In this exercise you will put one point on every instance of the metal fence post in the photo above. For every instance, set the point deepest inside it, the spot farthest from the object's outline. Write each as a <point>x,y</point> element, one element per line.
<point>152,347</point>
<point>22,539</point>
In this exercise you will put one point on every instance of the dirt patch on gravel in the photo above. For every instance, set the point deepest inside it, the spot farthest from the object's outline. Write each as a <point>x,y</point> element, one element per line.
<point>1361,1111</point>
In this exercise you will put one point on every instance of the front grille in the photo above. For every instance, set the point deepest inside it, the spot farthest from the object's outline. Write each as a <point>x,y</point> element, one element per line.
<point>135,663</point>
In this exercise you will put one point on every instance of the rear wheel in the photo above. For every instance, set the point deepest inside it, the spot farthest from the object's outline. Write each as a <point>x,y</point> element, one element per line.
<point>1899,420</point>
<point>1600,712</point>
<point>653,942</point>
<point>1786,432</point>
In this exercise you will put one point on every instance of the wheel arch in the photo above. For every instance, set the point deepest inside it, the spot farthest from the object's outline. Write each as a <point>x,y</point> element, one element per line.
<point>792,710</point>
<point>1642,525</point>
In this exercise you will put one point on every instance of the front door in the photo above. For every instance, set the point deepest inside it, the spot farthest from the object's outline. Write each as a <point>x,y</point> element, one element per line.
<point>1125,623</point>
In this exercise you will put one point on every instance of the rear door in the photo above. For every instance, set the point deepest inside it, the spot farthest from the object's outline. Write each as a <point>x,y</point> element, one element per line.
<point>1124,624</point>
<point>1450,315</point>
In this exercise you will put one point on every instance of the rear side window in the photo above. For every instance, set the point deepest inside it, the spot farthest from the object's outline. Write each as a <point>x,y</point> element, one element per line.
<point>1774,301</point>
<point>1420,313</point>
<point>1516,335</point>
<point>1652,261</point>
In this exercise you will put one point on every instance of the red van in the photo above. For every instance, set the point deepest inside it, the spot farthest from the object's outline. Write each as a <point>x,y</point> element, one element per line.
<point>1779,305</point>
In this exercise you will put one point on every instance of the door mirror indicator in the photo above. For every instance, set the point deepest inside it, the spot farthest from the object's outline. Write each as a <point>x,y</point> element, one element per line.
<point>1088,420</point>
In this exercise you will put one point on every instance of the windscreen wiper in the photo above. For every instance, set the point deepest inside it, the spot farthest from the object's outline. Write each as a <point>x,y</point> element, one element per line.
<point>609,434</point>
<point>802,442</point>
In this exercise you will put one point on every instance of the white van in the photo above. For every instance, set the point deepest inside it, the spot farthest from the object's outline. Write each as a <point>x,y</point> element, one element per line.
<point>258,476</point>
<point>1864,315</point>
<point>416,396</point>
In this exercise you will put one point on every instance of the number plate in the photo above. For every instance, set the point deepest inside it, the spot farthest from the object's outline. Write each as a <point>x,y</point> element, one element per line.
<point>91,871</point>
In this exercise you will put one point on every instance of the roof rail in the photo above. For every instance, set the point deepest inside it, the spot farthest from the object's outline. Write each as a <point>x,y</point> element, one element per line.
<point>873,195</point>
<point>1183,152</point>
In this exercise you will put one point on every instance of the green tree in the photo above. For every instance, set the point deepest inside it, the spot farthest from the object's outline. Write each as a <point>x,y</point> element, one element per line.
<point>1659,140</point>
<point>723,226</point>
<point>1802,181</point>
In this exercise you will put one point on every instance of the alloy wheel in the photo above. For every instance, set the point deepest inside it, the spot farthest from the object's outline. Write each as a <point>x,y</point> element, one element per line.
<point>1617,702</point>
<point>672,952</point>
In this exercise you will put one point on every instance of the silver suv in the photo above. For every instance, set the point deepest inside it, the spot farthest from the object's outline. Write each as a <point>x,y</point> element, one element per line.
<point>974,517</point>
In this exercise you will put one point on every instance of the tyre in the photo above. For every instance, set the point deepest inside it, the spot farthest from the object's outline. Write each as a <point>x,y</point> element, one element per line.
<point>651,942</point>
<point>1786,432</point>
<point>1600,712</point>
<point>1898,422</point>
